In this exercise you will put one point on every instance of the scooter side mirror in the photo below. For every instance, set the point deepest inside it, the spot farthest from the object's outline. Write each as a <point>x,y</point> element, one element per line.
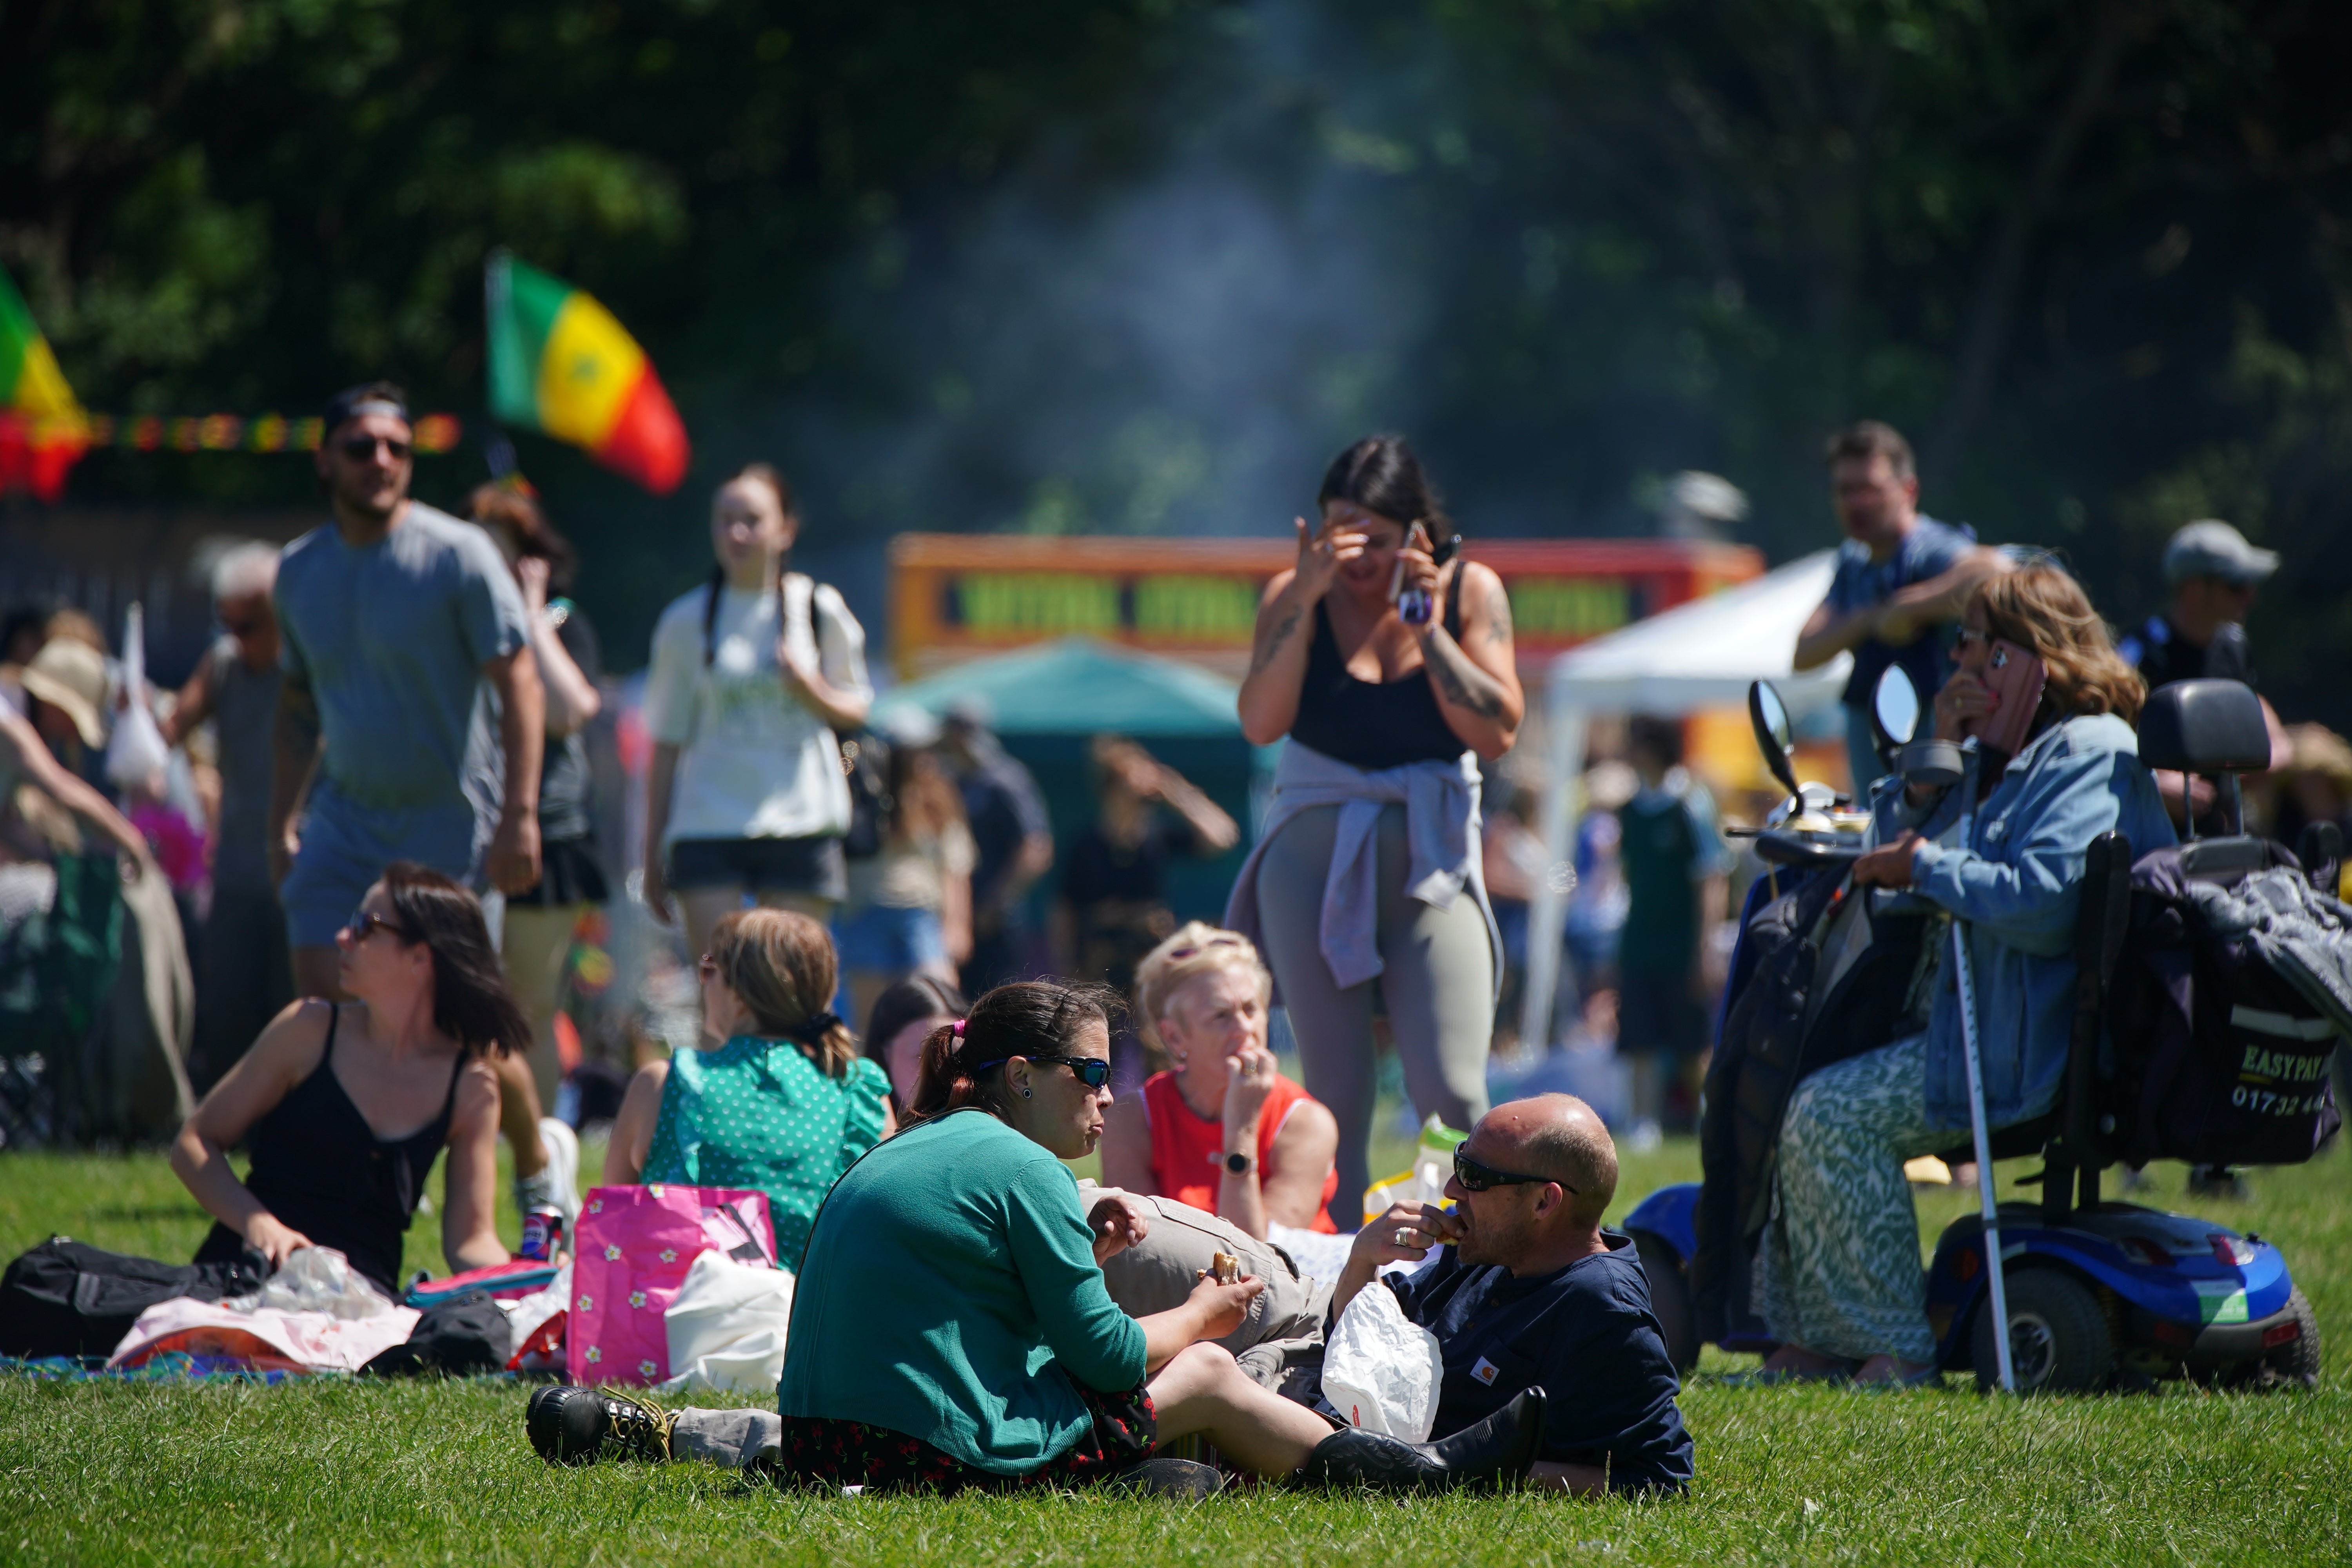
<point>1775,737</point>
<point>1894,706</point>
<point>1895,715</point>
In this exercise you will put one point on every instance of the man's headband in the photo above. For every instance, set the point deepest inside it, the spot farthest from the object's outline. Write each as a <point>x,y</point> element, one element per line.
<point>359,401</point>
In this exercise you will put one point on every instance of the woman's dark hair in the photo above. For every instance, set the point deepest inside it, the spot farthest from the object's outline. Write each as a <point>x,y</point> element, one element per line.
<point>919,797</point>
<point>509,504</point>
<point>1380,474</point>
<point>780,964</point>
<point>471,1003</point>
<point>758,473</point>
<point>922,996</point>
<point>1661,738</point>
<point>1027,1018</point>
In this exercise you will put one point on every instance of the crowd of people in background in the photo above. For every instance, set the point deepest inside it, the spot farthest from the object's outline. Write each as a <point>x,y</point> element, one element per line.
<point>375,838</point>
<point>406,684</point>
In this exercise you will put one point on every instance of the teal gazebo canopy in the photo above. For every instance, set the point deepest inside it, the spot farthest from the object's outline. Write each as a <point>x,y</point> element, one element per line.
<point>1079,686</point>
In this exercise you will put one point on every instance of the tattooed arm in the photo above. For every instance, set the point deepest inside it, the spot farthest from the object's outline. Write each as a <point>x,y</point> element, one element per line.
<point>1285,625</point>
<point>1476,677</point>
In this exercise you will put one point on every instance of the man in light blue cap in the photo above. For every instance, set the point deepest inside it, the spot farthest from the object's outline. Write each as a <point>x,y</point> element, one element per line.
<point>2215,574</point>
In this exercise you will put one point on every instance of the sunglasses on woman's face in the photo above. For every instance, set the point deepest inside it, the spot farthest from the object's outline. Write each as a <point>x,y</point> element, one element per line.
<point>1093,1071</point>
<point>1477,1178</point>
<point>365,924</point>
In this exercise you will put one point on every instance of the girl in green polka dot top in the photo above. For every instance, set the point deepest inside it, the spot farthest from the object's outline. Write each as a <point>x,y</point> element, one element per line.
<point>775,1096</point>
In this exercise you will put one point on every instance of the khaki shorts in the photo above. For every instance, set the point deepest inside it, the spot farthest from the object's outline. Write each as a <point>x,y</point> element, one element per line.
<point>1285,1323</point>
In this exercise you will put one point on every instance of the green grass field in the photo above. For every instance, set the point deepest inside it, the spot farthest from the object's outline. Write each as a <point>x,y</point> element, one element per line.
<point>335,1471</point>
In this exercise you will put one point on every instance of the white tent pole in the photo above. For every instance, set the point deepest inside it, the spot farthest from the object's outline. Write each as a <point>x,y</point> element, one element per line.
<point>1548,913</point>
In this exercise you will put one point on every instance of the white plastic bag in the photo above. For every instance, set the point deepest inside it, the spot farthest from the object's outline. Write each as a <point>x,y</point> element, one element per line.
<point>317,1279</point>
<point>136,753</point>
<point>726,1326</point>
<point>1381,1369</point>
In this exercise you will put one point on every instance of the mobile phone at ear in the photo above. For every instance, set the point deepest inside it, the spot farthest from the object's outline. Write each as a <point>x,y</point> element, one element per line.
<point>1414,604</point>
<point>2015,676</point>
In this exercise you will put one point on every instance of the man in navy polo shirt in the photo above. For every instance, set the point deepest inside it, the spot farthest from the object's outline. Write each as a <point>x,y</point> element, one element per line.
<point>1902,582</point>
<point>1529,1292</point>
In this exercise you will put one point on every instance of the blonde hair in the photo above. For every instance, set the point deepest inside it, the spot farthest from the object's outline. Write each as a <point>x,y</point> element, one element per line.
<point>2040,607</point>
<point>1198,948</point>
<point>781,966</point>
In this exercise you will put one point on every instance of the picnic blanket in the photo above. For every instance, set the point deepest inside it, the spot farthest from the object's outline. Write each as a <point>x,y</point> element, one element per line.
<point>266,1338</point>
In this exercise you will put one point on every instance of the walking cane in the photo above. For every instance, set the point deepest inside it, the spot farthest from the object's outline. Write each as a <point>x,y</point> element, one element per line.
<point>1977,1119</point>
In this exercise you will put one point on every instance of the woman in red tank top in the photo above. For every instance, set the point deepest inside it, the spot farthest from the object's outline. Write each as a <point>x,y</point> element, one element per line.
<point>1221,1131</point>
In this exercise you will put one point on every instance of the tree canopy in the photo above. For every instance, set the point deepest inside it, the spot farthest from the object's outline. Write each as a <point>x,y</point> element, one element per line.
<point>1143,264</point>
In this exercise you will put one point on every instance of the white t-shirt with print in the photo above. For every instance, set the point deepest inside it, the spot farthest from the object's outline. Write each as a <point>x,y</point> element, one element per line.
<point>755,761</point>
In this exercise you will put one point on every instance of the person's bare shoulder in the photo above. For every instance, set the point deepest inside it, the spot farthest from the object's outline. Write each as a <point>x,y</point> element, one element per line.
<point>478,1092</point>
<point>1307,1123</point>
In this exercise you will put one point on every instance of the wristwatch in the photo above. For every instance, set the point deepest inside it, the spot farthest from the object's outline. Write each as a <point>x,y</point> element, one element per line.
<point>1241,1164</point>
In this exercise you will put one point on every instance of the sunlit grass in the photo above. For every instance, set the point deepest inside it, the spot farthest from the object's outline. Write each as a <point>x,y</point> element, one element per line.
<point>333,1470</point>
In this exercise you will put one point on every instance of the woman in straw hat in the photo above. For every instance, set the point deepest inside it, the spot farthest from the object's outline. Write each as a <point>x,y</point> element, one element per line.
<point>65,690</point>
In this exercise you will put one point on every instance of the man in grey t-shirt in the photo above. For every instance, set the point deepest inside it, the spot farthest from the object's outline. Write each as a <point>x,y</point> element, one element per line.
<point>395,617</point>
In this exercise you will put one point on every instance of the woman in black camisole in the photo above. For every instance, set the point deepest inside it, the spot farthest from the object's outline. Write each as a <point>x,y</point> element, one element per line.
<point>345,1106</point>
<point>1377,698</point>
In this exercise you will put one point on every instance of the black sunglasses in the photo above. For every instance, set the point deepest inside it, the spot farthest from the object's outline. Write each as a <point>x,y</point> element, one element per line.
<point>1093,1071</point>
<point>364,924</point>
<point>1477,1178</point>
<point>360,448</point>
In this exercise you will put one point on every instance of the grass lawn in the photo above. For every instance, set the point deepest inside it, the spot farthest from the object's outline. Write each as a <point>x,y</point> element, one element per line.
<point>338,1470</point>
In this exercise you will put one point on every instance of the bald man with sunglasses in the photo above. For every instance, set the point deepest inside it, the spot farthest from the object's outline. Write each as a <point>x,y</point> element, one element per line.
<point>1527,1290</point>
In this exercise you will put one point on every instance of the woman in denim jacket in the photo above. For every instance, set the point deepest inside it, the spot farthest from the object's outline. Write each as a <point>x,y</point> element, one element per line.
<point>1839,1275</point>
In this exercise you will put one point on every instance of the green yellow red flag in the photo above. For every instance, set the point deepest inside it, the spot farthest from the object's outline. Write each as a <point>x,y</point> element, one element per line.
<point>42,430</point>
<point>561,364</point>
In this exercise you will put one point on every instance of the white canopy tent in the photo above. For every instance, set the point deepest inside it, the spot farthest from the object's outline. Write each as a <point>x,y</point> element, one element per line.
<point>1699,655</point>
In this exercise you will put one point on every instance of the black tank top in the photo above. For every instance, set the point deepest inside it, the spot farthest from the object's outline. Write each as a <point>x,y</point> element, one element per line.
<point>319,1168</point>
<point>1372,723</point>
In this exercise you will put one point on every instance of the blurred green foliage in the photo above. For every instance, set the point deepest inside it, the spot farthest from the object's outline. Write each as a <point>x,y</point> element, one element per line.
<point>2092,254</point>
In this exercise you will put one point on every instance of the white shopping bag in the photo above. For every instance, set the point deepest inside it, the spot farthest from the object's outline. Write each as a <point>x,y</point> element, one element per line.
<point>136,753</point>
<point>726,1326</point>
<point>1381,1369</point>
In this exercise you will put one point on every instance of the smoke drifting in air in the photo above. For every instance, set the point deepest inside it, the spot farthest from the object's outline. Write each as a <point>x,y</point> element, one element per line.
<point>1180,351</point>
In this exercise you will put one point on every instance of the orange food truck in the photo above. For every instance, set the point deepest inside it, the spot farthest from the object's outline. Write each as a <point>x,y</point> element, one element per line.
<point>955,597</point>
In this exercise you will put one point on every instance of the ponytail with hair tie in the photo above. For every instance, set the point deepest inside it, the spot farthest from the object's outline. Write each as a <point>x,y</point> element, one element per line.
<point>814,1029</point>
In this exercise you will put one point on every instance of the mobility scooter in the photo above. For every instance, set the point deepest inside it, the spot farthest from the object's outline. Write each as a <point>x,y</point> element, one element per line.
<point>2096,1293</point>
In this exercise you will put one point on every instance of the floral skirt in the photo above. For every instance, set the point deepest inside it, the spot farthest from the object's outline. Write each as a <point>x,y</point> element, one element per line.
<point>827,1451</point>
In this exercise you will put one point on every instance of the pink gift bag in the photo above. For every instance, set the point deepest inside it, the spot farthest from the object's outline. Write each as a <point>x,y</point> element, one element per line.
<point>631,1252</point>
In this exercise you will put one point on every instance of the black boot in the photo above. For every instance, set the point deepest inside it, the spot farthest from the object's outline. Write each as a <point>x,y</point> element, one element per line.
<point>1501,1448</point>
<point>572,1426</point>
<point>1184,1478</point>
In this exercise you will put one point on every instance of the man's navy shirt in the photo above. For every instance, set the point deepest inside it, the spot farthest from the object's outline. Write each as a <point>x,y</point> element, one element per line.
<point>1585,1334</point>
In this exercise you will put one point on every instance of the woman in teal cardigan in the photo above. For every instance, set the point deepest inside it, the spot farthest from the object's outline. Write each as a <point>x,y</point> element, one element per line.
<point>951,1329</point>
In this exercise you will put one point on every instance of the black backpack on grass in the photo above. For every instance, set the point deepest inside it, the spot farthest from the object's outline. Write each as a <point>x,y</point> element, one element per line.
<point>66,1297</point>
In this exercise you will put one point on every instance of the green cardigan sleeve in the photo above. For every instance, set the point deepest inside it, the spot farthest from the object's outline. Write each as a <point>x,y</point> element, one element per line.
<point>1097,1343</point>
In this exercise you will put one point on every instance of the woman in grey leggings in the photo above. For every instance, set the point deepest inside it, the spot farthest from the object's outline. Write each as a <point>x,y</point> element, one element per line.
<point>1392,676</point>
